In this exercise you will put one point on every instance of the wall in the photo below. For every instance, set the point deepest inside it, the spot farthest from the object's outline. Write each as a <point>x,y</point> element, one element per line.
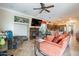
<point>7,19</point>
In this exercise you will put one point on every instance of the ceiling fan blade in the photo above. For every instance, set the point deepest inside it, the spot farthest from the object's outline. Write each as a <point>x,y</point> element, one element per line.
<point>50,6</point>
<point>41,11</point>
<point>47,10</point>
<point>42,4</point>
<point>36,8</point>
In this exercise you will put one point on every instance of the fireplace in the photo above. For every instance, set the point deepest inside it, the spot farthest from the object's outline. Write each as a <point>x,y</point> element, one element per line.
<point>33,33</point>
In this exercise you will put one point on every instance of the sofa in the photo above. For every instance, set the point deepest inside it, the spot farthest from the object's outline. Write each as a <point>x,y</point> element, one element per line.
<point>49,47</point>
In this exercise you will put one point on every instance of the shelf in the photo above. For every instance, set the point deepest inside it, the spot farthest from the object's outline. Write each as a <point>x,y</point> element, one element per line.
<point>34,26</point>
<point>20,23</point>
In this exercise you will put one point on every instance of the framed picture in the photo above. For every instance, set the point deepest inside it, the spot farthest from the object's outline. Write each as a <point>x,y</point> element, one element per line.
<point>21,19</point>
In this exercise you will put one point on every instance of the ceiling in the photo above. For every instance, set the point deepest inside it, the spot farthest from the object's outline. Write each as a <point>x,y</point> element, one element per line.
<point>60,9</point>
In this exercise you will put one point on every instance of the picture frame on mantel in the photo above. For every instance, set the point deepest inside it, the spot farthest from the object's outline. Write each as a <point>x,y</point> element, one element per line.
<point>20,19</point>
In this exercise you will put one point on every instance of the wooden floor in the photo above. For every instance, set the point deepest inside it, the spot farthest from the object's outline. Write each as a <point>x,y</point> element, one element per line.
<point>27,49</point>
<point>74,46</point>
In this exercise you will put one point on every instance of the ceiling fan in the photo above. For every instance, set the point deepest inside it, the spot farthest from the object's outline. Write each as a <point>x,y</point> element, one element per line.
<point>43,7</point>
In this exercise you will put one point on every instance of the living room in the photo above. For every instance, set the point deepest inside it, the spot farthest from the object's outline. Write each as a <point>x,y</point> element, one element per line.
<point>21,23</point>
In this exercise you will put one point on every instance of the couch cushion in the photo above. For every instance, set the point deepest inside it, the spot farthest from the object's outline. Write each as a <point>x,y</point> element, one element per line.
<point>50,49</point>
<point>58,39</point>
<point>55,38</point>
<point>56,35</point>
<point>49,38</point>
<point>64,40</point>
<point>54,44</point>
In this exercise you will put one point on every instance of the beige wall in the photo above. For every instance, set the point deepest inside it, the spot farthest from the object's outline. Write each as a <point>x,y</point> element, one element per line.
<point>7,19</point>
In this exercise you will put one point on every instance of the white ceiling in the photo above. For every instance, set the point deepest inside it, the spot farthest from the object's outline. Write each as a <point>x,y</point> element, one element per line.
<point>60,9</point>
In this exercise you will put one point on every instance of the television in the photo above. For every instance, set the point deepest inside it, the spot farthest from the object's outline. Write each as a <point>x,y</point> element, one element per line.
<point>36,22</point>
